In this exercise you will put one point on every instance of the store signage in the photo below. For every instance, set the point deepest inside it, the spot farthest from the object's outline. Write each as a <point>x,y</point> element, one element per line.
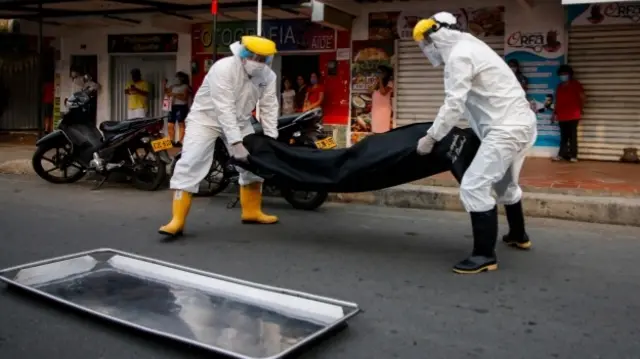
<point>329,16</point>
<point>616,13</point>
<point>534,40</point>
<point>343,54</point>
<point>9,26</point>
<point>577,2</point>
<point>482,22</point>
<point>289,35</point>
<point>368,57</point>
<point>143,43</point>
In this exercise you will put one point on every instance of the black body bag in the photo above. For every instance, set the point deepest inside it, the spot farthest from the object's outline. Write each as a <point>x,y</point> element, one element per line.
<point>377,162</point>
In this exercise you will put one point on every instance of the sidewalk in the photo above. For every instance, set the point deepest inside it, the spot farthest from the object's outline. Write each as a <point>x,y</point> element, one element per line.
<point>583,208</point>
<point>587,191</point>
<point>601,192</point>
<point>582,178</point>
<point>16,158</point>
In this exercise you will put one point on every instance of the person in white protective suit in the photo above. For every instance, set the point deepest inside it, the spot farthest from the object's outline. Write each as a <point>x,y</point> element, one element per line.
<point>480,87</point>
<point>222,107</point>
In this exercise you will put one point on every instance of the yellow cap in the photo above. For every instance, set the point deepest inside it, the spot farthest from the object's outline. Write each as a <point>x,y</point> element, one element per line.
<point>422,27</point>
<point>259,45</point>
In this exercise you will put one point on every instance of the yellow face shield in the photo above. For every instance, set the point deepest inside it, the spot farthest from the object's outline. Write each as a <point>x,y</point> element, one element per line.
<point>259,46</point>
<point>423,29</point>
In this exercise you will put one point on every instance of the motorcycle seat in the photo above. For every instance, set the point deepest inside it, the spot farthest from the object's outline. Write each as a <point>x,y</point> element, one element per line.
<point>120,126</point>
<point>286,120</point>
<point>114,126</point>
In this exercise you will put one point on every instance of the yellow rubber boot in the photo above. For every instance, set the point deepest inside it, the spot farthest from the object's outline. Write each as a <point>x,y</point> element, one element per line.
<point>181,206</point>
<point>251,203</point>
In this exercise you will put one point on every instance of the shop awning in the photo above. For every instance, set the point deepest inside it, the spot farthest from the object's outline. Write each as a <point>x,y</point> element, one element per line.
<point>117,12</point>
<point>578,2</point>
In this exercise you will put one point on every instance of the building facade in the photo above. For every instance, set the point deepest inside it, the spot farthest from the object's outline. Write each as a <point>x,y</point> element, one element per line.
<point>599,40</point>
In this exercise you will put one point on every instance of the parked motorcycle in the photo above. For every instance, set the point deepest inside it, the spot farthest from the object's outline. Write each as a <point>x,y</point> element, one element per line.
<point>136,148</point>
<point>301,129</point>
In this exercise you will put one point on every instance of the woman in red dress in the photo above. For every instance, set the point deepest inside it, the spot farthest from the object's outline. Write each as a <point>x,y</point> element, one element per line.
<point>315,94</point>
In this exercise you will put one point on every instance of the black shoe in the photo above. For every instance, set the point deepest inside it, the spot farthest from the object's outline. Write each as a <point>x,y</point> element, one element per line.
<point>485,235</point>
<point>517,236</point>
<point>178,144</point>
<point>476,264</point>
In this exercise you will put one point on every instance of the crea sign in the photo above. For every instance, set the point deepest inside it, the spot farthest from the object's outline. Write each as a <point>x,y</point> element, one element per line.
<point>614,13</point>
<point>535,41</point>
<point>289,35</point>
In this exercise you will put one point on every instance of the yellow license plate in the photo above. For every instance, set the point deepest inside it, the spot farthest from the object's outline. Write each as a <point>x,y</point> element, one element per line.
<point>161,144</point>
<point>326,143</point>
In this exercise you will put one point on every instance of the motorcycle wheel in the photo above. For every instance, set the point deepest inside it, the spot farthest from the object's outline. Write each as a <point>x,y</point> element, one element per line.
<point>150,171</point>
<point>59,162</point>
<point>215,181</point>
<point>309,202</point>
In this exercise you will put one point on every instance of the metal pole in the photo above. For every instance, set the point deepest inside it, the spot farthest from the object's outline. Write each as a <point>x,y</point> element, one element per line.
<point>259,24</point>
<point>214,30</point>
<point>214,36</point>
<point>41,125</point>
<point>259,33</point>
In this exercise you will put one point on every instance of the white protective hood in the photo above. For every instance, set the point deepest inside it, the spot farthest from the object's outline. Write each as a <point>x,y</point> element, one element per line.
<point>444,40</point>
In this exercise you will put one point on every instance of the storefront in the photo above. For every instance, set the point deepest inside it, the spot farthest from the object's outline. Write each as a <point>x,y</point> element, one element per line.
<point>419,89</point>
<point>19,82</point>
<point>303,48</point>
<point>536,38</point>
<point>153,54</point>
<point>604,51</point>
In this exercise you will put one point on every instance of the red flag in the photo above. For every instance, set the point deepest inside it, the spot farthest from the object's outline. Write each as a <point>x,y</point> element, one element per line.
<point>214,7</point>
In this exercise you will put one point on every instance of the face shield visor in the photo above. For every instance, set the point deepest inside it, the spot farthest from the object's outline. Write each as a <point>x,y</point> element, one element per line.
<point>257,54</point>
<point>246,54</point>
<point>422,35</point>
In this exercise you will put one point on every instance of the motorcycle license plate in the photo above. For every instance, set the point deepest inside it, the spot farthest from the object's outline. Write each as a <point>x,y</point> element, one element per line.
<point>326,143</point>
<point>161,144</point>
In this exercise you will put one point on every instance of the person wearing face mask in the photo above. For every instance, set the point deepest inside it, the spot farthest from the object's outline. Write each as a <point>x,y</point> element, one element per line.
<point>315,94</point>
<point>570,99</point>
<point>514,65</point>
<point>179,91</point>
<point>480,87</point>
<point>222,106</point>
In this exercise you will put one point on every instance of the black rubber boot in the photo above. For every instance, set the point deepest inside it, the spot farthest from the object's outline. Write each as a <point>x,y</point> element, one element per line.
<point>517,236</point>
<point>485,235</point>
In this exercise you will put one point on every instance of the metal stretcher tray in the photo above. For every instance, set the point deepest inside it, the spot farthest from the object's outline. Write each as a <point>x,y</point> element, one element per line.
<point>225,315</point>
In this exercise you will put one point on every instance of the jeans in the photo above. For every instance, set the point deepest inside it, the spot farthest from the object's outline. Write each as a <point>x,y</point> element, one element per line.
<point>568,139</point>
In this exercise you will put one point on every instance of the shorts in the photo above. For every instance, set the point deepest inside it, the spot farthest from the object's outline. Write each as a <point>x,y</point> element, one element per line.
<point>136,113</point>
<point>178,113</point>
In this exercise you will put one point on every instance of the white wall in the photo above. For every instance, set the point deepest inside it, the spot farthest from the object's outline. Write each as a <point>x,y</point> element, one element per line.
<point>94,42</point>
<point>32,28</point>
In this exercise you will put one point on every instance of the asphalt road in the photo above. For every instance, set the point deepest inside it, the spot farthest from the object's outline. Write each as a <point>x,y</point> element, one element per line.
<point>575,295</point>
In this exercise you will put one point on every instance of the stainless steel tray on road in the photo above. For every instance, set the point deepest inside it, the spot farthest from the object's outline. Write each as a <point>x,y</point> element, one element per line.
<point>221,314</point>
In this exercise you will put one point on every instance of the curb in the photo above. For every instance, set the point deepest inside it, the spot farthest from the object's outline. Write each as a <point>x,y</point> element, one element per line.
<point>17,167</point>
<point>583,208</point>
<point>605,210</point>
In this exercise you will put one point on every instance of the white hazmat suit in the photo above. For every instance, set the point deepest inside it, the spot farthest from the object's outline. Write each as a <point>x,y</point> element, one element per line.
<point>223,107</point>
<point>480,87</point>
